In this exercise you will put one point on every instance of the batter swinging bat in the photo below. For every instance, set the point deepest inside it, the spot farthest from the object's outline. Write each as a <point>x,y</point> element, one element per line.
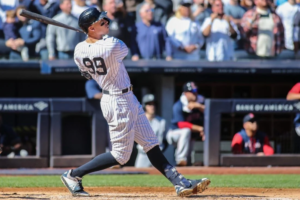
<point>46,20</point>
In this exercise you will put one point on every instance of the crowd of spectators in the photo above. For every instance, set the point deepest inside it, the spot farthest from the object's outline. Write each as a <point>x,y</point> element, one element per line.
<point>157,29</point>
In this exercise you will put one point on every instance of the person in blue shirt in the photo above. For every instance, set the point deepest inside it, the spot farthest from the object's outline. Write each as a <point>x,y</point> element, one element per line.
<point>93,90</point>
<point>187,122</point>
<point>30,32</point>
<point>47,8</point>
<point>150,39</point>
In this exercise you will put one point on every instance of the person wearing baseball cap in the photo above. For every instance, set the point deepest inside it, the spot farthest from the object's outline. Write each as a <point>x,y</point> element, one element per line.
<point>158,125</point>
<point>250,140</point>
<point>187,122</point>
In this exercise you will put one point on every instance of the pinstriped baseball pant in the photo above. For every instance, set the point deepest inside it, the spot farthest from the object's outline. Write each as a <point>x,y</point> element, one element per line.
<point>127,123</point>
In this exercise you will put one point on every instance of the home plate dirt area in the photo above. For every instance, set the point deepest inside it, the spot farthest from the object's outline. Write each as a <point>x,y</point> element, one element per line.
<point>127,193</point>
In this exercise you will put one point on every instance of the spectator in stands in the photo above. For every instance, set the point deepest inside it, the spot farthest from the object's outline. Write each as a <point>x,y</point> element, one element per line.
<point>250,140</point>
<point>296,32</point>
<point>161,10</point>
<point>234,11</point>
<point>200,12</point>
<point>280,2</point>
<point>4,6</point>
<point>96,4</point>
<point>219,31</point>
<point>187,122</point>
<point>63,39</point>
<point>120,25</point>
<point>93,90</point>
<point>48,8</point>
<point>130,6</point>
<point>149,37</point>
<point>29,5</point>
<point>158,125</point>
<point>247,4</point>
<point>286,12</point>
<point>10,142</point>
<point>185,34</point>
<point>31,34</point>
<point>263,31</point>
<point>12,36</point>
<point>78,6</point>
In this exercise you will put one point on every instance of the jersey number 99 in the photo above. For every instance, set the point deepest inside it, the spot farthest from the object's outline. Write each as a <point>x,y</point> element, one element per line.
<point>97,64</point>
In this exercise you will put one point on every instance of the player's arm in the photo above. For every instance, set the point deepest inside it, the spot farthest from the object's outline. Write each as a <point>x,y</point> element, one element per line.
<point>119,49</point>
<point>196,105</point>
<point>294,93</point>
<point>268,150</point>
<point>236,144</point>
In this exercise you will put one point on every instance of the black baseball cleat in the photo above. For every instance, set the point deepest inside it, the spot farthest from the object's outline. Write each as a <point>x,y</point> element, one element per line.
<point>197,186</point>
<point>74,184</point>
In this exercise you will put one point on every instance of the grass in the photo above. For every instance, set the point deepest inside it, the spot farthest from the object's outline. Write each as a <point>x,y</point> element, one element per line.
<point>253,181</point>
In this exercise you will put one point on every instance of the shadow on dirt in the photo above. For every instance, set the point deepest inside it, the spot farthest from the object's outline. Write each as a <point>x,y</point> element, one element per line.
<point>29,196</point>
<point>226,196</point>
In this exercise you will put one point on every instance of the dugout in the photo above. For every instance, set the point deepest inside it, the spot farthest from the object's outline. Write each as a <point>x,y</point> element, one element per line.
<point>253,79</point>
<point>213,114</point>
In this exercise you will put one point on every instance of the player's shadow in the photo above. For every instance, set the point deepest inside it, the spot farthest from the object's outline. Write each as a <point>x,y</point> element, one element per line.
<point>227,196</point>
<point>13,197</point>
<point>127,197</point>
<point>23,196</point>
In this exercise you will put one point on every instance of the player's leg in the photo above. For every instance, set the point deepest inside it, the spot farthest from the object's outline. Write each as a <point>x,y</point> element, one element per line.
<point>181,138</point>
<point>145,136</point>
<point>121,122</point>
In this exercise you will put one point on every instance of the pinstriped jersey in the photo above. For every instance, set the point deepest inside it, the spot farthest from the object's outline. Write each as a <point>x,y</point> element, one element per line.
<point>103,61</point>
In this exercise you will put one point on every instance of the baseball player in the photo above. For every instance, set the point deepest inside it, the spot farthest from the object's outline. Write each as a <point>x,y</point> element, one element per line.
<point>100,58</point>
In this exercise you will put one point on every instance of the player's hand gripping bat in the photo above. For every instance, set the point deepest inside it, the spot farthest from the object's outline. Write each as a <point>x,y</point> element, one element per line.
<point>46,20</point>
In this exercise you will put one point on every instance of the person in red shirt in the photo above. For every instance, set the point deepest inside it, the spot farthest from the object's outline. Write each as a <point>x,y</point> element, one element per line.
<point>250,140</point>
<point>294,94</point>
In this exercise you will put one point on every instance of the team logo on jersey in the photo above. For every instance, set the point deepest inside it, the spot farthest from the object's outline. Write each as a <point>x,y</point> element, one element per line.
<point>41,105</point>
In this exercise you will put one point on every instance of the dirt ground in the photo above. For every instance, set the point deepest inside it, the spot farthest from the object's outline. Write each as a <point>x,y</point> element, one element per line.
<point>136,193</point>
<point>222,170</point>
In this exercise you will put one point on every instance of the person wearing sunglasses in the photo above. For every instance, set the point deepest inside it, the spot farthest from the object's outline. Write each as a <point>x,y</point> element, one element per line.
<point>101,58</point>
<point>250,140</point>
<point>187,122</point>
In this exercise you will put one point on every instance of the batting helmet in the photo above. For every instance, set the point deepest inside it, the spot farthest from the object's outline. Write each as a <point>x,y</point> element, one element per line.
<point>90,16</point>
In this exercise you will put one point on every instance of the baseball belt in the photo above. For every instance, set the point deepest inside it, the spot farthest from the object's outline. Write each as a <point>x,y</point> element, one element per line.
<point>122,91</point>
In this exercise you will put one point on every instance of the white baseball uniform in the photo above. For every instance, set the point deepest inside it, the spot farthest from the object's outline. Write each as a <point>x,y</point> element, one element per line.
<point>125,116</point>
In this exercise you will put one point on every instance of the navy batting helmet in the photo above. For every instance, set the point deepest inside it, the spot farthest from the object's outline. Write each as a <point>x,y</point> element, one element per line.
<point>90,16</point>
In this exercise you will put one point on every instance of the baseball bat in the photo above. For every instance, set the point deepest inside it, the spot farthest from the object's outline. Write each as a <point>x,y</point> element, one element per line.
<point>46,20</point>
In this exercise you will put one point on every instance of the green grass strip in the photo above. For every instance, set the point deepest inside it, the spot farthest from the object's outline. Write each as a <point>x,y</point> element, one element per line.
<point>252,181</point>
